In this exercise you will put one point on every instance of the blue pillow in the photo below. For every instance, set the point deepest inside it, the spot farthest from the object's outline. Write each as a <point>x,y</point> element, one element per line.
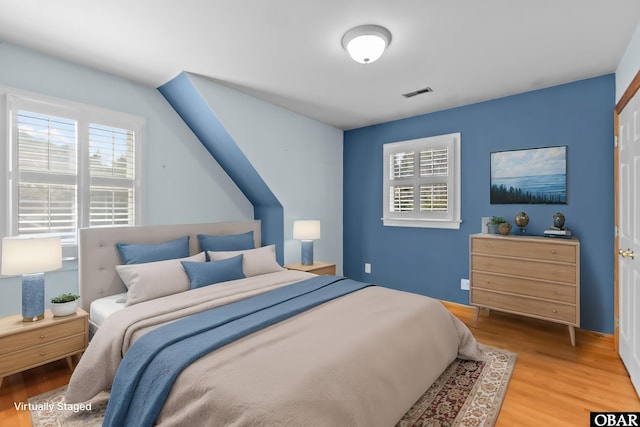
<point>138,253</point>
<point>229,242</point>
<point>208,273</point>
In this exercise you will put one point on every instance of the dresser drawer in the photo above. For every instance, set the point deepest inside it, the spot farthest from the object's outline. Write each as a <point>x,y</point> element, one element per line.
<point>30,338</point>
<point>549,251</point>
<point>521,305</point>
<point>515,285</point>
<point>524,268</point>
<point>38,355</point>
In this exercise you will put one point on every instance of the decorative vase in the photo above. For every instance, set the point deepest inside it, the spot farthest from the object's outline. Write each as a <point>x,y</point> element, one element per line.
<point>64,308</point>
<point>558,220</point>
<point>492,228</point>
<point>505,228</point>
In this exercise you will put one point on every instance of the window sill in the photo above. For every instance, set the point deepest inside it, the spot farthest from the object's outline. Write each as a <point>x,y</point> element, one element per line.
<point>422,223</point>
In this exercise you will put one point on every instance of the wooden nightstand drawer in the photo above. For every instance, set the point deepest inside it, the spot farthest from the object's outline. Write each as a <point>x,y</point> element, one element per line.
<point>543,309</point>
<point>38,355</point>
<point>319,268</point>
<point>43,335</point>
<point>524,249</point>
<point>331,270</point>
<point>526,287</point>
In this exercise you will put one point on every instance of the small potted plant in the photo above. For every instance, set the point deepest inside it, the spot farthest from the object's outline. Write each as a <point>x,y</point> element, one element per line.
<point>494,224</point>
<point>504,228</point>
<point>64,304</point>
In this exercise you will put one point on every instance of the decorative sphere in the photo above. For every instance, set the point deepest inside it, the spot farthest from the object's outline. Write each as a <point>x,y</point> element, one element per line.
<point>522,219</point>
<point>558,220</point>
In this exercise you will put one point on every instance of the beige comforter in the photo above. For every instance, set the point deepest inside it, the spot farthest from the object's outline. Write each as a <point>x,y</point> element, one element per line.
<point>360,360</point>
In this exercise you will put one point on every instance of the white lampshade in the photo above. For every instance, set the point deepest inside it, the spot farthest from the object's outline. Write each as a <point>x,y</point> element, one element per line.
<point>30,255</point>
<point>306,230</point>
<point>366,43</point>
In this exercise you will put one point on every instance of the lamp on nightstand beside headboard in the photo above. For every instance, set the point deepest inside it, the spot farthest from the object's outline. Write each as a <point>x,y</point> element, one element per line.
<point>31,257</point>
<point>306,231</point>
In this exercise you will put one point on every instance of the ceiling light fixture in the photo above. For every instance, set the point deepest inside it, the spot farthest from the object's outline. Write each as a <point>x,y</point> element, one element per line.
<point>366,43</point>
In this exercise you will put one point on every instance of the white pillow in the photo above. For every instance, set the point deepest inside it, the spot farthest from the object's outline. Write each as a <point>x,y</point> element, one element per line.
<point>254,262</point>
<point>155,279</point>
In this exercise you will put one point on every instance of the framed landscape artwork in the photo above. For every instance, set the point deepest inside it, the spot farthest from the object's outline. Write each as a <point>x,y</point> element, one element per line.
<point>531,176</point>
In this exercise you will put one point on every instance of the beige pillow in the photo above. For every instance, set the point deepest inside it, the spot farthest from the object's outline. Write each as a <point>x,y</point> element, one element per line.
<point>155,279</point>
<point>254,262</point>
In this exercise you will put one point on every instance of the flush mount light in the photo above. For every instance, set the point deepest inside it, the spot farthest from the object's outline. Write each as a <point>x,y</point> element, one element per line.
<point>366,43</point>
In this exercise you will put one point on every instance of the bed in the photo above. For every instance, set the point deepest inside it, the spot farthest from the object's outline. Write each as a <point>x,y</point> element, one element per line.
<point>361,358</point>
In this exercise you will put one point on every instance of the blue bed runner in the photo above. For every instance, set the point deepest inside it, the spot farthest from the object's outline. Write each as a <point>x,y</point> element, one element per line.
<point>149,369</point>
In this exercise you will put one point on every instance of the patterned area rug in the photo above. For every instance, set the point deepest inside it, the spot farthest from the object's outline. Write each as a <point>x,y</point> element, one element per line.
<point>468,393</point>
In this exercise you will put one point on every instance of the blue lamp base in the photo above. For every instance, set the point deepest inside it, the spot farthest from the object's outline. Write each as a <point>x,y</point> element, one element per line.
<point>32,297</point>
<point>307,252</point>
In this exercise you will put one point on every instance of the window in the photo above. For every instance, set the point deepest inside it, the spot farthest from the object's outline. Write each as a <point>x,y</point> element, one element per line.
<point>422,182</point>
<point>71,166</point>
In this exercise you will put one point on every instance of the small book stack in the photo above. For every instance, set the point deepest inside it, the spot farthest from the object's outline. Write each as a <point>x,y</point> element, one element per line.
<point>557,232</point>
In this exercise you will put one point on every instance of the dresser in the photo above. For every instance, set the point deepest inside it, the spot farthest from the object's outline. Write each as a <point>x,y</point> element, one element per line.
<point>527,275</point>
<point>25,345</point>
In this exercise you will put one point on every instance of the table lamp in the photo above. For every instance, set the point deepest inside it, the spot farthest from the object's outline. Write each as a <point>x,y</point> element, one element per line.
<point>306,231</point>
<point>31,257</point>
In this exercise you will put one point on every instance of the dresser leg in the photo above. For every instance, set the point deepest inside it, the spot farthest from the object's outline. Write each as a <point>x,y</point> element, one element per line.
<point>572,335</point>
<point>70,363</point>
<point>1,378</point>
<point>477,313</point>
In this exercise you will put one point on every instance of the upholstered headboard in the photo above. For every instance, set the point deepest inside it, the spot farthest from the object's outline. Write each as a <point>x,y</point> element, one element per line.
<point>98,255</point>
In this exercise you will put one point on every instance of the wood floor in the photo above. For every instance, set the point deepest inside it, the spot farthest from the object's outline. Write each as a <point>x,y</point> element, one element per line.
<point>553,384</point>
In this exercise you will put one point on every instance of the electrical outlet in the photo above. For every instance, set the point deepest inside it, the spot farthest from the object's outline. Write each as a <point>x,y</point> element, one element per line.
<point>464,284</point>
<point>367,267</point>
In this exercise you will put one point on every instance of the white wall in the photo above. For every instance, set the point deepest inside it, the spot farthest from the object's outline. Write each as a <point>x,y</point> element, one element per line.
<point>629,64</point>
<point>300,160</point>
<point>183,183</point>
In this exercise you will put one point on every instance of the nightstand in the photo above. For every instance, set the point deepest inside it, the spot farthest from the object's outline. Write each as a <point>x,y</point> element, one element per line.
<point>25,345</point>
<point>315,268</point>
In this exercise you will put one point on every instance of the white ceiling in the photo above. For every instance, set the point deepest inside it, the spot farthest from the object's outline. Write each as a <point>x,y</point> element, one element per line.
<point>289,52</point>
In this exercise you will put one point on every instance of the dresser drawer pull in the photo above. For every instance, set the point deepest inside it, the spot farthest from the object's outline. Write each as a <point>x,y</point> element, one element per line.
<point>42,353</point>
<point>555,293</point>
<point>554,310</point>
<point>41,337</point>
<point>553,252</point>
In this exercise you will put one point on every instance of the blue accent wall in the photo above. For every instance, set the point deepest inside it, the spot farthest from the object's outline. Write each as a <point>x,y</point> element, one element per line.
<point>432,261</point>
<point>184,97</point>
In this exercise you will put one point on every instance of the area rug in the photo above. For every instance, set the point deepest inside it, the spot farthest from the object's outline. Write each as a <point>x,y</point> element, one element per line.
<point>468,393</point>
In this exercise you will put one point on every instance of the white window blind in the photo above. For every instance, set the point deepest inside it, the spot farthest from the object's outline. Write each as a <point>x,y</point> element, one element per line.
<point>71,166</point>
<point>402,200</point>
<point>434,162</point>
<point>112,171</point>
<point>47,163</point>
<point>421,182</point>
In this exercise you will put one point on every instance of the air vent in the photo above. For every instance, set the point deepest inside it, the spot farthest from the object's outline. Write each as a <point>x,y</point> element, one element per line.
<point>417,92</point>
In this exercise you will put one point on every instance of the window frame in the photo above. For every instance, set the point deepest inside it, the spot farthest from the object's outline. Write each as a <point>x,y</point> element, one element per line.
<point>425,219</point>
<point>84,115</point>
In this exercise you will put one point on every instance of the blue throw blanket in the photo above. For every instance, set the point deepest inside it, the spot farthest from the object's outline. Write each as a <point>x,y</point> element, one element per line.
<point>147,372</point>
